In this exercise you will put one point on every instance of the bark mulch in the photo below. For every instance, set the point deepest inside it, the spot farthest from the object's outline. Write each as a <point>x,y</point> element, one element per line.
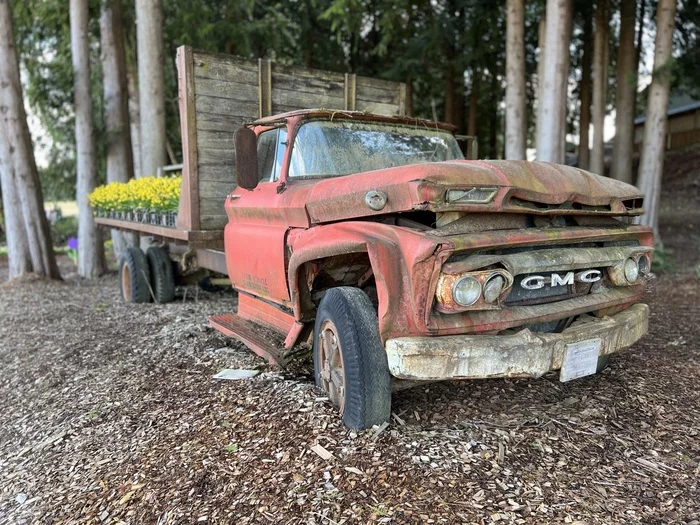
<point>109,414</point>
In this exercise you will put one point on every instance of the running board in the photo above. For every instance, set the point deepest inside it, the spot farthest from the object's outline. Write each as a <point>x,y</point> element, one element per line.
<point>252,335</point>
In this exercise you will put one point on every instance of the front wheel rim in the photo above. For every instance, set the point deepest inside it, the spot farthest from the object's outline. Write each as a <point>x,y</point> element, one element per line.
<point>331,364</point>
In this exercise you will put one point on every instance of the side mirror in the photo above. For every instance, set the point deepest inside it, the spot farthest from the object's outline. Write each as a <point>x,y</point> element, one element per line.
<point>246,158</point>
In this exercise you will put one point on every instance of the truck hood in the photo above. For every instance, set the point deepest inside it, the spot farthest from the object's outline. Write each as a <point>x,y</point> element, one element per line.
<point>510,186</point>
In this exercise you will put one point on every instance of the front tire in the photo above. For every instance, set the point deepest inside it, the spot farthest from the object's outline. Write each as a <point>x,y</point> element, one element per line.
<point>350,362</point>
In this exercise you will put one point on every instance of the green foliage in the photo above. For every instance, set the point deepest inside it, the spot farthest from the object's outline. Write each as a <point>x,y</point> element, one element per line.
<point>63,229</point>
<point>426,41</point>
<point>662,261</point>
<point>42,32</point>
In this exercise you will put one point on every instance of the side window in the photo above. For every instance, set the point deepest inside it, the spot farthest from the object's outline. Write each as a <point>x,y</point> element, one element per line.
<point>271,147</point>
<point>267,143</point>
<point>279,156</point>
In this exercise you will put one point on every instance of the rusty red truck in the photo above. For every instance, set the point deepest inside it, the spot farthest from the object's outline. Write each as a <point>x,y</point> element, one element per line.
<point>372,238</point>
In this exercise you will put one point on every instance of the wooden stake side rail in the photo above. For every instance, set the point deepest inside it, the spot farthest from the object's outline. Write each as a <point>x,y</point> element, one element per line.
<point>203,238</point>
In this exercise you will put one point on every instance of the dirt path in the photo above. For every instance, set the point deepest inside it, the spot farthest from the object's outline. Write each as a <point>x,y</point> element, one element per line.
<point>109,413</point>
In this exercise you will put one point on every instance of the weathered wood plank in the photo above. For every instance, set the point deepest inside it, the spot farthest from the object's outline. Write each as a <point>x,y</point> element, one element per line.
<point>218,173</point>
<point>223,67</point>
<point>264,88</point>
<point>213,222</point>
<point>377,107</point>
<point>225,106</point>
<point>379,83</point>
<point>212,205</point>
<point>301,100</point>
<point>188,208</point>
<point>350,91</point>
<point>368,91</point>
<point>215,139</point>
<point>220,157</point>
<point>217,122</point>
<point>216,189</point>
<point>225,89</point>
<point>305,83</point>
<point>298,72</point>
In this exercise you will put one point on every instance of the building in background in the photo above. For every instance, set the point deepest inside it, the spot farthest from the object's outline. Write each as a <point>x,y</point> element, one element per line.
<point>683,128</point>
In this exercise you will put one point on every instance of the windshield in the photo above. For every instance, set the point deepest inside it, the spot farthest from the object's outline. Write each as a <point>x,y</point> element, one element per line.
<point>325,148</point>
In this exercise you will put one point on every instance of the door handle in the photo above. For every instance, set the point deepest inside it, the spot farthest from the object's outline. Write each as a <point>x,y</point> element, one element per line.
<point>233,196</point>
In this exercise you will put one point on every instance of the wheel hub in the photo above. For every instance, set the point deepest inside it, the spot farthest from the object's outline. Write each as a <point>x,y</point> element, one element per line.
<point>126,283</point>
<point>331,364</point>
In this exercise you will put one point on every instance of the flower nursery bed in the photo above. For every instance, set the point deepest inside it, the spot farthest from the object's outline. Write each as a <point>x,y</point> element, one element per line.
<point>167,219</point>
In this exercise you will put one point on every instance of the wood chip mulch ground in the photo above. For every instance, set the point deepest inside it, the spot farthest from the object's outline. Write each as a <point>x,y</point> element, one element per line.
<point>109,414</point>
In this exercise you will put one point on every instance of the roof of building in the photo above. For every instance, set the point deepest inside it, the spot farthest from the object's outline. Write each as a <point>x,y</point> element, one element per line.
<point>674,109</point>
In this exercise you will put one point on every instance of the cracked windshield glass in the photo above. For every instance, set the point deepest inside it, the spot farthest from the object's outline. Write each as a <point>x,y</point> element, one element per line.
<point>325,148</point>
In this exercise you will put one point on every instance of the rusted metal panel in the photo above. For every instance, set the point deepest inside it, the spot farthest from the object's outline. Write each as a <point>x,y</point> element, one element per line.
<point>549,260</point>
<point>553,190</point>
<point>259,311</point>
<point>247,333</point>
<point>525,354</point>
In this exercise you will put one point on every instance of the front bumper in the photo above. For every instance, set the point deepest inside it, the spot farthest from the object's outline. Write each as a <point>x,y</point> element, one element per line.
<point>524,354</point>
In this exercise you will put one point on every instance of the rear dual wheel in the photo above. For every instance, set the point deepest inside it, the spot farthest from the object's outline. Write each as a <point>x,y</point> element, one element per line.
<point>350,363</point>
<point>146,277</point>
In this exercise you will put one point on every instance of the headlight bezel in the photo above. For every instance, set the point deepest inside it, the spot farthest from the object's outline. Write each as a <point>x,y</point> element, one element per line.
<point>618,276</point>
<point>445,302</point>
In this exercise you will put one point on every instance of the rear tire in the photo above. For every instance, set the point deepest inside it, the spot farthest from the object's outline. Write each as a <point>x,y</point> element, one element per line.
<point>134,276</point>
<point>350,363</point>
<point>161,274</point>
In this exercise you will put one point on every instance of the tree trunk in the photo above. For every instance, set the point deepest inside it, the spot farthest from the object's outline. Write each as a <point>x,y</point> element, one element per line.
<point>28,235</point>
<point>90,248</point>
<point>515,80</point>
<point>584,152</point>
<point>493,125</point>
<point>626,90</point>
<point>135,121</point>
<point>600,84</point>
<point>565,86</point>
<point>19,259</point>
<point>120,165</point>
<point>473,103</point>
<point>653,148</point>
<point>541,36</point>
<point>638,53</point>
<point>450,102</point>
<point>640,36</point>
<point>149,39</point>
<point>554,74</point>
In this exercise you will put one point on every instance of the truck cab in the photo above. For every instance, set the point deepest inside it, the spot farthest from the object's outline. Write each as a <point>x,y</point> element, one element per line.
<point>400,261</point>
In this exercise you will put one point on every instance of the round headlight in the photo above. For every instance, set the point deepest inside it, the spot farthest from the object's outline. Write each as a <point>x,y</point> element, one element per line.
<point>493,288</point>
<point>631,270</point>
<point>644,265</point>
<point>466,291</point>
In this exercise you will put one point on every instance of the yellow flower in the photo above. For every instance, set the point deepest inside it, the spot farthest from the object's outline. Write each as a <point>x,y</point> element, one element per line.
<point>146,193</point>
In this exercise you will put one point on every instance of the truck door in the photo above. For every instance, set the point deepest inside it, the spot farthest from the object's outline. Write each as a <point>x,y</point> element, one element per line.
<point>258,221</point>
